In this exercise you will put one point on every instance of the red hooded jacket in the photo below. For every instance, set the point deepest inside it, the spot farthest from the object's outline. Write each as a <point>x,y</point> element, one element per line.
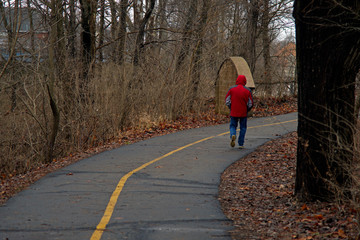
<point>240,97</point>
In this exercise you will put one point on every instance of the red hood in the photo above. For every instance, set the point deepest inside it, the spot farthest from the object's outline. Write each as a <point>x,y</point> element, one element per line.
<point>241,80</point>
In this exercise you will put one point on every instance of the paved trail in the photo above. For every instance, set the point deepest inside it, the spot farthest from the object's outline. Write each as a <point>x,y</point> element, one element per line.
<point>164,188</point>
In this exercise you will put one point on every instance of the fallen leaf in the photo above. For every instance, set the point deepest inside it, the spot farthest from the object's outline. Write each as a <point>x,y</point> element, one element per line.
<point>341,233</point>
<point>304,207</point>
<point>319,216</point>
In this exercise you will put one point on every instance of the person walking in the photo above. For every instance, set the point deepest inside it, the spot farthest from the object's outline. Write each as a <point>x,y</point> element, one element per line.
<point>240,101</point>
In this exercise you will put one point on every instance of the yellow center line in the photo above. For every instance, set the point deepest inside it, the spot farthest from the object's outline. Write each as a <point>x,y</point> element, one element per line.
<point>100,228</point>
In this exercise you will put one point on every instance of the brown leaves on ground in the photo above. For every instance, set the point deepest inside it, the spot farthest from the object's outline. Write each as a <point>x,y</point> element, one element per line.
<point>257,193</point>
<point>264,107</point>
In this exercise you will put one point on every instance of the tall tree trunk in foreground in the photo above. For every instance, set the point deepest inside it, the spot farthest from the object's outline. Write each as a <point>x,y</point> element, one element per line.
<point>328,59</point>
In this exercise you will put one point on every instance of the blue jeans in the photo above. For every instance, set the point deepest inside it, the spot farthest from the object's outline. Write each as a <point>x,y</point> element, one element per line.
<point>243,125</point>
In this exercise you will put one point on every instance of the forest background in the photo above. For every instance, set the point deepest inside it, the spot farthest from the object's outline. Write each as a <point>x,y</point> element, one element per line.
<point>76,74</point>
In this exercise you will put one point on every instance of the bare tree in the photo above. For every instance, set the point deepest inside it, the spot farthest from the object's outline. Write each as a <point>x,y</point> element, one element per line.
<point>56,9</point>
<point>196,69</point>
<point>251,32</point>
<point>266,46</point>
<point>187,33</point>
<point>88,23</point>
<point>12,27</point>
<point>122,29</point>
<point>101,29</point>
<point>139,44</point>
<point>161,23</point>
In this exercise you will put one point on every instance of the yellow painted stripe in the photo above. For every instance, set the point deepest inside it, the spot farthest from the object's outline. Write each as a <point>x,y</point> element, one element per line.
<point>264,125</point>
<point>100,228</point>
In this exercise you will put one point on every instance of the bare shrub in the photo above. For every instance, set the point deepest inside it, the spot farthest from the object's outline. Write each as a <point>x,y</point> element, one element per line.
<point>24,129</point>
<point>93,110</point>
<point>355,190</point>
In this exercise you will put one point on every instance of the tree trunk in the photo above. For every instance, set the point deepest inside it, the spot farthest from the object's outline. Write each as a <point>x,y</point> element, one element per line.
<point>137,13</point>
<point>252,26</point>
<point>52,75</point>
<point>161,22</point>
<point>122,29</point>
<point>101,29</point>
<point>60,48</point>
<point>235,31</point>
<point>328,58</point>
<point>114,28</point>
<point>196,68</point>
<point>72,29</point>
<point>88,23</point>
<point>357,96</point>
<point>187,33</point>
<point>266,48</point>
<point>140,36</point>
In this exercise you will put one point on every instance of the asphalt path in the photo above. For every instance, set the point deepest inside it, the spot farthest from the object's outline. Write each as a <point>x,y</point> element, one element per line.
<point>164,188</point>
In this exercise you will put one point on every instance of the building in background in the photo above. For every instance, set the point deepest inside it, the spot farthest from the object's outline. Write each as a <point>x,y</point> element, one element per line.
<point>28,28</point>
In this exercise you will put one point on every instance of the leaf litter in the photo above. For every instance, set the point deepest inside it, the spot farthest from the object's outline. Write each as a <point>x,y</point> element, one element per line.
<point>257,193</point>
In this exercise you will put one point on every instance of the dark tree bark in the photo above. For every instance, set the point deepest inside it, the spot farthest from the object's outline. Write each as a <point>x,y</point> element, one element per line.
<point>122,29</point>
<point>140,36</point>
<point>101,29</point>
<point>328,59</point>
<point>251,29</point>
<point>114,27</point>
<point>88,23</point>
<point>55,126</point>
<point>53,75</point>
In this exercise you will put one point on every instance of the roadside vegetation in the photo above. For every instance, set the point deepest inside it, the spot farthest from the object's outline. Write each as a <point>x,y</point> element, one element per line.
<point>16,181</point>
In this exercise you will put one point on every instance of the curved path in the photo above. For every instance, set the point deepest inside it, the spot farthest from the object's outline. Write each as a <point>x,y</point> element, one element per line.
<point>162,188</point>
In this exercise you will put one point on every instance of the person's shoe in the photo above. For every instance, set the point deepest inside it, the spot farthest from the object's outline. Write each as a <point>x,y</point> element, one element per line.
<point>241,147</point>
<point>232,143</point>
